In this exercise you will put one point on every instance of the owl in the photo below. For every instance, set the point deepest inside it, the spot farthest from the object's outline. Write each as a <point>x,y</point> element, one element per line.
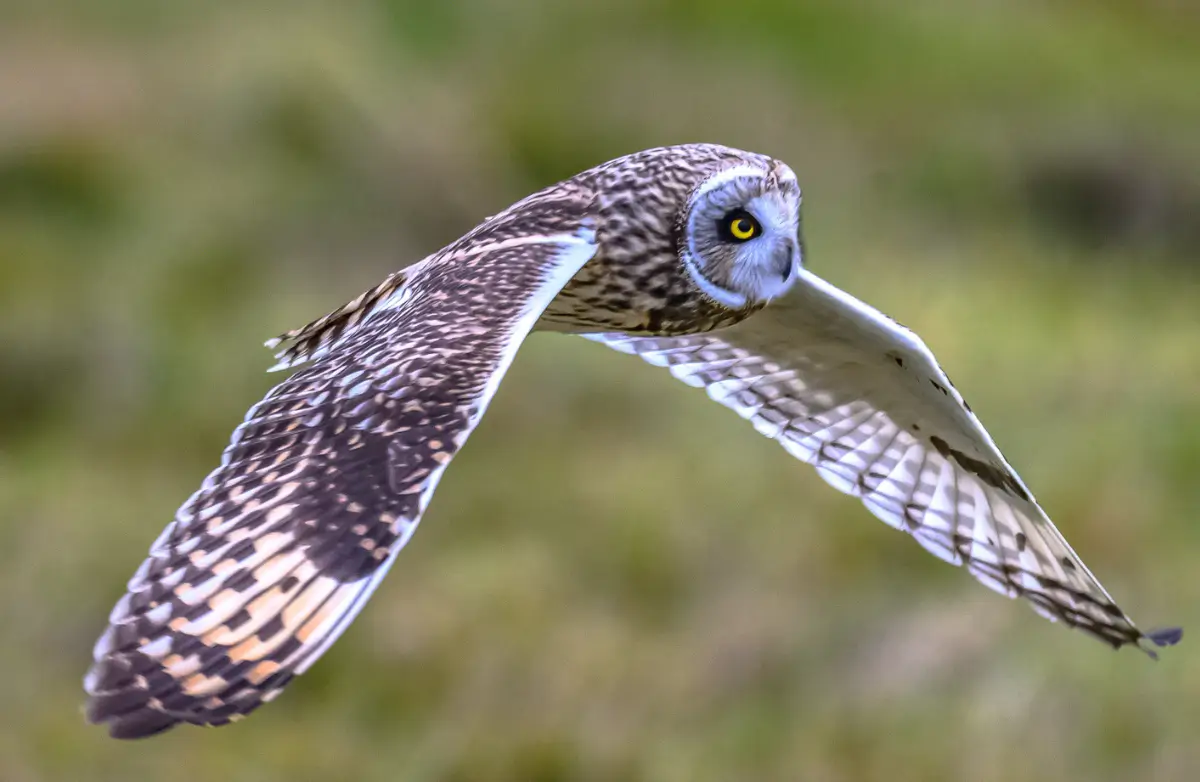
<point>689,257</point>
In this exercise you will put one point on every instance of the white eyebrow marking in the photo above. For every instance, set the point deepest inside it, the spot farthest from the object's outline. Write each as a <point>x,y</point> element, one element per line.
<point>724,177</point>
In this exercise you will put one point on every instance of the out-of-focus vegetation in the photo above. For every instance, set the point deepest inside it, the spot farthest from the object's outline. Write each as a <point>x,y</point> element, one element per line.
<point>617,579</point>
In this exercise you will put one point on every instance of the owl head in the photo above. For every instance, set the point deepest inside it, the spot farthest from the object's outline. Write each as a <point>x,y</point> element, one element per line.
<point>686,229</point>
<point>739,236</point>
<point>737,227</point>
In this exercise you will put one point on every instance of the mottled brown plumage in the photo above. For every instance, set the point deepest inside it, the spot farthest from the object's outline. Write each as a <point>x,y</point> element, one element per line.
<point>324,482</point>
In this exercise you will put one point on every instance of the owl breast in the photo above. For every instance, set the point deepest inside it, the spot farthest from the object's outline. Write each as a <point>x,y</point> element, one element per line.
<point>649,296</point>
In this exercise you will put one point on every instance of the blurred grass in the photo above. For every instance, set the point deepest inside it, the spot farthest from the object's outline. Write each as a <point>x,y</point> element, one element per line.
<point>617,579</point>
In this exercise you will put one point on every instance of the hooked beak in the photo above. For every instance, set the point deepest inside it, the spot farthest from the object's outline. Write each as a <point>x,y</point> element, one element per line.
<point>785,260</point>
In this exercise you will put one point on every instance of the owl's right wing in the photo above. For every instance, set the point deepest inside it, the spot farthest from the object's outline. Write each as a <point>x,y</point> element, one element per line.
<point>320,487</point>
<point>860,397</point>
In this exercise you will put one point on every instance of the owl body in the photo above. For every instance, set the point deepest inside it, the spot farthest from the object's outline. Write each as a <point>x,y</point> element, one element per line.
<point>611,294</point>
<point>689,257</point>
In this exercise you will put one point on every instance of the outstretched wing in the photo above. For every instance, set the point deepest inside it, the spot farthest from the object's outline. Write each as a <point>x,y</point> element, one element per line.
<point>861,398</point>
<point>265,566</point>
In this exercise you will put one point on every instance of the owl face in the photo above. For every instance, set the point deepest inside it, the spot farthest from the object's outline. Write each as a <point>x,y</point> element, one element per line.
<point>741,240</point>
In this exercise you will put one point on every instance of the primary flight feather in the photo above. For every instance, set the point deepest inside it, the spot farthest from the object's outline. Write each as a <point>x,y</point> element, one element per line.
<point>689,257</point>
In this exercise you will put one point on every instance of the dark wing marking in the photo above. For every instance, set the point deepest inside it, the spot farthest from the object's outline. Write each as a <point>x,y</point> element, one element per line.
<point>270,560</point>
<point>862,399</point>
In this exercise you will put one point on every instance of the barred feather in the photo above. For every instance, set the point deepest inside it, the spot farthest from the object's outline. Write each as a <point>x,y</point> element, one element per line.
<point>321,486</point>
<point>312,341</point>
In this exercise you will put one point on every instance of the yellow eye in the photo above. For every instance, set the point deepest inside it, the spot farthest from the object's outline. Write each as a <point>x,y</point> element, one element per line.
<point>740,226</point>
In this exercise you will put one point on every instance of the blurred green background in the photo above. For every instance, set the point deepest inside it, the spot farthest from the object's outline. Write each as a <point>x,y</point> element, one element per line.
<point>618,578</point>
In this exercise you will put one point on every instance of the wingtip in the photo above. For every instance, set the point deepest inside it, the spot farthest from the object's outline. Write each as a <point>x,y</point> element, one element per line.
<point>140,725</point>
<point>1166,636</point>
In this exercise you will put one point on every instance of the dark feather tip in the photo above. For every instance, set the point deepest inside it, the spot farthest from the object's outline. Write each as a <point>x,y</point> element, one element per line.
<point>141,724</point>
<point>1167,636</point>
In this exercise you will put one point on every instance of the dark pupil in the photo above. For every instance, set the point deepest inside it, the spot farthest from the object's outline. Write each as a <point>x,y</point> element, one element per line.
<point>737,227</point>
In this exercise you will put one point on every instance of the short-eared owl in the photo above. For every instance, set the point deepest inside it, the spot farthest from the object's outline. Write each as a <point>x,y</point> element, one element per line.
<point>689,257</point>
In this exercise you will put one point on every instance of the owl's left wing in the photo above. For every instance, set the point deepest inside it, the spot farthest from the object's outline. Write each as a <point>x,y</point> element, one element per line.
<point>860,397</point>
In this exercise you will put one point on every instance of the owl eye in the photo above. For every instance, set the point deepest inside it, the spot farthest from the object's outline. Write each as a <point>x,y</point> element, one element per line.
<point>738,226</point>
